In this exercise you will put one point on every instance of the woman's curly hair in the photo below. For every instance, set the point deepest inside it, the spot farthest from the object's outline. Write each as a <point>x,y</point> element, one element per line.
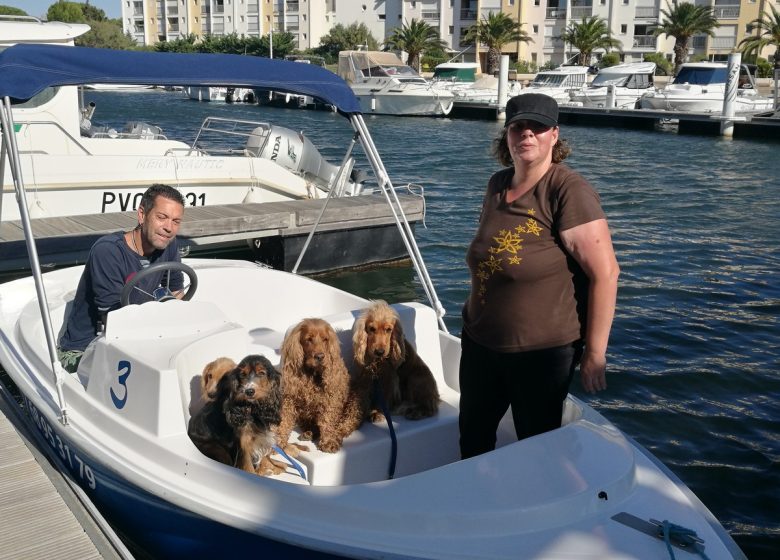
<point>500,150</point>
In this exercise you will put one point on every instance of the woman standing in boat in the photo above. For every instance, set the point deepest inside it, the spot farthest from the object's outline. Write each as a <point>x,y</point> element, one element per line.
<point>543,284</point>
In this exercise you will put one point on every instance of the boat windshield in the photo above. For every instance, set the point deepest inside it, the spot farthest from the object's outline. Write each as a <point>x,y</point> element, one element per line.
<point>400,70</point>
<point>701,76</point>
<point>616,80</point>
<point>543,79</point>
<point>454,74</point>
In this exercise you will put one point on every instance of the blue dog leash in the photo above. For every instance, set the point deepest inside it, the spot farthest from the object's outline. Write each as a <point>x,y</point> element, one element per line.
<point>378,396</point>
<point>296,465</point>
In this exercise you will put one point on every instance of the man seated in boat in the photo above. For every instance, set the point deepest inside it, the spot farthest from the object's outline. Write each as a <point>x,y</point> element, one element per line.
<point>114,259</point>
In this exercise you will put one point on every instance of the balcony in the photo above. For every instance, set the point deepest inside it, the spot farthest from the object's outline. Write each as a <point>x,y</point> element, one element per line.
<point>726,12</point>
<point>468,15</point>
<point>644,41</point>
<point>726,43</point>
<point>553,43</point>
<point>292,7</point>
<point>431,16</point>
<point>646,13</point>
<point>579,12</point>
<point>556,13</point>
<point>699,42</point>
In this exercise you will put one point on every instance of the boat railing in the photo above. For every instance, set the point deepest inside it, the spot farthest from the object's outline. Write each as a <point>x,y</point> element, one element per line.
<point>68,135</point>
<point>227,127</point>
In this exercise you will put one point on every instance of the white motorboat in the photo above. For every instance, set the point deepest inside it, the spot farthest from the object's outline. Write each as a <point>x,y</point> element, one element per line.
<point>701,86</point>
<point>220,93</point>
<point>618,86</point>
<point>559,82</point>
<point>119,425</point>
<point>74,167</point>
<point>384,85</point>
<point>470,90</point>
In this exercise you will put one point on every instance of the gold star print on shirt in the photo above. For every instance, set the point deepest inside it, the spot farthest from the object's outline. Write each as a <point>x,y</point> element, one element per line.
<point>509,242</point>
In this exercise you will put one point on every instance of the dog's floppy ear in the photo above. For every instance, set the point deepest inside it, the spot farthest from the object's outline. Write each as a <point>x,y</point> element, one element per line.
<point>225,386</point>
<point>360,339</point>
<point>334,346</point>
<point>397,345</point>
<point>292,351</point>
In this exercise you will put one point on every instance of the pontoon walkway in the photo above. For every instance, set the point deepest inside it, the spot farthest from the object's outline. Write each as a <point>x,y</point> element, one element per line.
<point>276,231</point>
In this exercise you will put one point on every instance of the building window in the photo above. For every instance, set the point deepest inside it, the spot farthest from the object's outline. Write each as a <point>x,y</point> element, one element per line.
<point>536,2</point>
<point>451,29</point>
<point>381,17</point>
<point>625,2</point>
<point>623,28</point>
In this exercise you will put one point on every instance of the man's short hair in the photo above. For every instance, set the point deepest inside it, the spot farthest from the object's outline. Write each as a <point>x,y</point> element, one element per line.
<point>158,189</point>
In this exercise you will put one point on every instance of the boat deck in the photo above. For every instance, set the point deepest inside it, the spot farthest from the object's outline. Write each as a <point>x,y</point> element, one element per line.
<point>65,241</point>
<point>42,517</point>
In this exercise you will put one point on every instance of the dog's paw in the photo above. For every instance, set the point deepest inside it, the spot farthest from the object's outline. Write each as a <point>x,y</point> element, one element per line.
<point>376,416</point>
<point>269,467</point>
<point>329,446</point>
<point>294,449</point>
<point>306,436</point>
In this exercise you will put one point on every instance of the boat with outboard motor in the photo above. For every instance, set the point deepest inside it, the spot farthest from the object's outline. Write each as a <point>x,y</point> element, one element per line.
<point>384,85</point>
<point>618,86</point>
<point>701,87</point>
<point>118,425</point>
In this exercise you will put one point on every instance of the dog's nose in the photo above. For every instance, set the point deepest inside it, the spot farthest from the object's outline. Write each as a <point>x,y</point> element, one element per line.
<point>249,392</point>
<point>319,356</point>
<point>379,352</point>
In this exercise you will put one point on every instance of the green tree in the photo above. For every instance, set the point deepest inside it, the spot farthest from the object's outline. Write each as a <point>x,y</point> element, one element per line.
<point>91,13</point>
<point>68,12</point>
<point>662,64</point>
<point>609,59</point>
<point>682,22</point>
<point>588,35</point>
<point>183,44</point>
<point>767,28</point>
<point>341,38</point>
<point>106,35</point>
<point>11,11</point>
<point>495,31</point>
<point>416,38</point>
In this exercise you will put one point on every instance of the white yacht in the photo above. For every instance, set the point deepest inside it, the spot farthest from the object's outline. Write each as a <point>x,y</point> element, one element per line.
<point>384,85</point>
<point>470,88</point>
<point>559,82</point>
<point>628,82</point>
<point>701,87</point>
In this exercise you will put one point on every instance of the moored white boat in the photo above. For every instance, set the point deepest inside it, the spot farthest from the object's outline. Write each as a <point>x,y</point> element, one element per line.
<point>73,167</point>
<point>559,82</point>
<point>220,93</point>
<point>628,82</point>
<point>701,86</point>
<point>461,79</point>
<point>119,427</point>
<point>384,85</point>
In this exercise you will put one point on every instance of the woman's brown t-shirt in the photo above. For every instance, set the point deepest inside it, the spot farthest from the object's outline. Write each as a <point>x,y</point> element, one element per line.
<point>527,293</point>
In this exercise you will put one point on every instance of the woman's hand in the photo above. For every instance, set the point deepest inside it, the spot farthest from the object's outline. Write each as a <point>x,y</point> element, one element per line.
<point>593,369</point>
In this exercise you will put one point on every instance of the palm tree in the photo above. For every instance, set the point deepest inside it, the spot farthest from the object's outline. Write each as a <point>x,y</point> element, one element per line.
<point>768,27</point>
<point>415,38</point>
<point>495,31</point>
<point>683,22</point>
<point>588,35</point>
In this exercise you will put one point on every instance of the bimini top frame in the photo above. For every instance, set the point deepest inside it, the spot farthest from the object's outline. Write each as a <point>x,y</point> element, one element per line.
<point>29,69</point>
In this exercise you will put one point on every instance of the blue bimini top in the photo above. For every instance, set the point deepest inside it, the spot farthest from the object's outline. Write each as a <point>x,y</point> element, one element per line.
<point>26,70</point>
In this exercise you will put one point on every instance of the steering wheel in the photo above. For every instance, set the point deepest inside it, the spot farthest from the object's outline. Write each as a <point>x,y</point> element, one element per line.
<point>169,266</point>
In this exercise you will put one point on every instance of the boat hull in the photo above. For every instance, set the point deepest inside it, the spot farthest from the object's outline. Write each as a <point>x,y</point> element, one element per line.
<point>552,495</point>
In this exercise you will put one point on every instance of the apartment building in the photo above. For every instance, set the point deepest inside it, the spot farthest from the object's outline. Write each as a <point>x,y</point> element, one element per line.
<point>150,21</point>
<point>631,21</point>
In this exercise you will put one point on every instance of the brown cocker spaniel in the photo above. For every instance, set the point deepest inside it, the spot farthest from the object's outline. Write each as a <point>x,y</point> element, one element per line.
<point>316,388</point>
<point>384,356</point>
<point>212,373</point>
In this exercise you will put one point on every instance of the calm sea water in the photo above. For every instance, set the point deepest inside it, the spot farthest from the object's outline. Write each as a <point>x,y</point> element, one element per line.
<point>694,358</point>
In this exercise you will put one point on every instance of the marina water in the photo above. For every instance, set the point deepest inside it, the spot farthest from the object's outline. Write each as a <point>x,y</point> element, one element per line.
<point>694,357</point>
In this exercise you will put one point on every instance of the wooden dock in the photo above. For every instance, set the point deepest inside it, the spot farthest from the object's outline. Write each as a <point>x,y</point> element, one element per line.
<point>42,516</point>
<point>745,125</point>
<point>275,231</point>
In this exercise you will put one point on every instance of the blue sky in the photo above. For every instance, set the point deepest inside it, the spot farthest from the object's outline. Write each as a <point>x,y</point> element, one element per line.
<point>38,8</point>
